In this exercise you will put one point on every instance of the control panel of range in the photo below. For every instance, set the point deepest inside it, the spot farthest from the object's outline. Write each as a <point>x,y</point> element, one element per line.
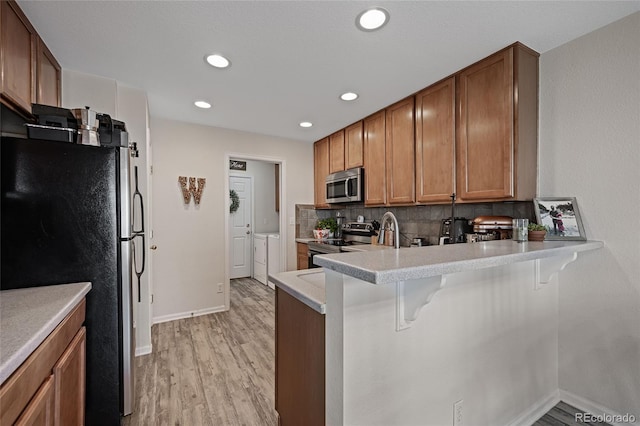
<point>362,228</point>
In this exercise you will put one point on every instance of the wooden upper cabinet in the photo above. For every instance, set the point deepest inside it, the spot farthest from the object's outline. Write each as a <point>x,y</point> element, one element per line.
<point>30,73</point>
<point>496,130</point>
<point>375,181</point>
<point>400,150</point>
<point>435,142</point>
<point>336,152</point>
<point>17,54</point>
<point>353,149</point>
<point>320,172</point>
<point>48,77</point>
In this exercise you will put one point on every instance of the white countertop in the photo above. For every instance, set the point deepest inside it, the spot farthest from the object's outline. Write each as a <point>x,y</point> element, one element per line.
<point>389,266</point>
<point>29,315</point>
<point>365,247</point>
<point>306,285</point>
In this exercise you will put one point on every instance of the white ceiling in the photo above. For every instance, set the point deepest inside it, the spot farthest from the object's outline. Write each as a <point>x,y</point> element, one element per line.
<point>292,59</point>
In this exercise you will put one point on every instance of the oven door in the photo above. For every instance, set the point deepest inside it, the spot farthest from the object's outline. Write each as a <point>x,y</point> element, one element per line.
<point>311,254</point>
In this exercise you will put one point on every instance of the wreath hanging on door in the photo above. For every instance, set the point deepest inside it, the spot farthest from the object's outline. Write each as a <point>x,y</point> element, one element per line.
<point>235,201</point>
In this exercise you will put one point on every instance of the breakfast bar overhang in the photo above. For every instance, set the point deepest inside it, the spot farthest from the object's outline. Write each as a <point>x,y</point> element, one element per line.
<point>403,327</point>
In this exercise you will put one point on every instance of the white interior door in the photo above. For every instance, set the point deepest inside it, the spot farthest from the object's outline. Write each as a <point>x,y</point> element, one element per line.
<point>241,228</point>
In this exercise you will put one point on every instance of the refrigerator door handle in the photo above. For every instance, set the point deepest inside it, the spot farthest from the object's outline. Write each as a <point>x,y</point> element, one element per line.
<point>137,196</point>
<point>135,261</point>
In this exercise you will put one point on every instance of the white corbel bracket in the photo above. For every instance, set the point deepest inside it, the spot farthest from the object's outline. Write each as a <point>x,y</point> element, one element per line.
<point>412,296</point>
<point>547,267</point>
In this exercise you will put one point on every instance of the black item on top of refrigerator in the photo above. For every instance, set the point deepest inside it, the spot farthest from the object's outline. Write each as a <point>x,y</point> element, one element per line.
<point>112,132</point>
<point>66,217</point>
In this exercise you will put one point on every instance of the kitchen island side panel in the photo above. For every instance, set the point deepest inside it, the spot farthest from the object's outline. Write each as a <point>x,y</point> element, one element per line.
<point>488,339</point>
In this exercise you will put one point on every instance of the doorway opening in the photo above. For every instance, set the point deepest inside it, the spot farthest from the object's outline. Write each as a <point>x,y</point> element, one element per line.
<point>255,233</point>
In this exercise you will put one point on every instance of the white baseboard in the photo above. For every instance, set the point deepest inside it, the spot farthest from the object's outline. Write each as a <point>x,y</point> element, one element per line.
<point>596,409</point>
<point>181,315</point>
<point>143,350</point>
<point>536,411</point>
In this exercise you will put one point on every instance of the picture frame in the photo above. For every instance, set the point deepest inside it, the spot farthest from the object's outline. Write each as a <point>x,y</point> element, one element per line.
<point>561,217</point>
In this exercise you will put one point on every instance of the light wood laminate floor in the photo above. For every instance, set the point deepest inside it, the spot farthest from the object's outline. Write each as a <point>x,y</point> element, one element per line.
<point>219,369</point>
<point>216,369</point>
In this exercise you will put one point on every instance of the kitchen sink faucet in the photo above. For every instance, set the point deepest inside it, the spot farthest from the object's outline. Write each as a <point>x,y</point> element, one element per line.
<point>396,238</point>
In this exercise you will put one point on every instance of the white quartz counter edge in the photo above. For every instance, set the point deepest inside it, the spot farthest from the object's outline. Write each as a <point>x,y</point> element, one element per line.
<point>390,266</point>
<point>305,240</point>
<point>29,315</point>
<point>306,285</point>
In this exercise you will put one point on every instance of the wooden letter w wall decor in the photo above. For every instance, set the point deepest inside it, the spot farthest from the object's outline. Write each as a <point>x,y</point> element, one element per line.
<point>192,189</point>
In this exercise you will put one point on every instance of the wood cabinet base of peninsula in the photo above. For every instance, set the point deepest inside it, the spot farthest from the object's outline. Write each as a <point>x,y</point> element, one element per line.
<point>300,363</point>
<point>302,255</point>
<point>49,387</point>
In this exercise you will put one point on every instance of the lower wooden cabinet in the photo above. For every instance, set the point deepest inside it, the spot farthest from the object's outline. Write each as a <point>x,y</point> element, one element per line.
<point>40,410</point>
<point>49,387</point>
<point>300,362</point>
<point>69,373</point>
<point>302,251</point>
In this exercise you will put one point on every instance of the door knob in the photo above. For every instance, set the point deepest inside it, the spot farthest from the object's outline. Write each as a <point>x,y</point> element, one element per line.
<point>248,232</point>
<point>153,247</point>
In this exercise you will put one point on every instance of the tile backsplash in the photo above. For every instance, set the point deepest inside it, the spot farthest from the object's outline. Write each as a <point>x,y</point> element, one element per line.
<point>414,221</point>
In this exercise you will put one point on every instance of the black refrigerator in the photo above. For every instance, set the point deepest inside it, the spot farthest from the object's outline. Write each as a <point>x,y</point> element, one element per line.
<point>67,216</point>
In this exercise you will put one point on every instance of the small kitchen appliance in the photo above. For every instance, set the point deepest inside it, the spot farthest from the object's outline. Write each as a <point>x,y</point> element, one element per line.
<point>491,228</point>
<point>460,228</point>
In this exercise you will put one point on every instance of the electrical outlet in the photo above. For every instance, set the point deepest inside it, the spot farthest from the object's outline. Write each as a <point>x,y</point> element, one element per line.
<point>219,287</point>
<point>458,419</point>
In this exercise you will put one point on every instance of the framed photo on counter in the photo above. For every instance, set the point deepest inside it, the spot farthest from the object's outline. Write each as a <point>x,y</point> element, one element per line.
<point>561,217</point>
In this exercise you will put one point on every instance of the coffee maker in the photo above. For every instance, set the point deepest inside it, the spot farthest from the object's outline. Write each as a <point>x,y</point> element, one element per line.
<point>87,126</point>
<point>459,228</point>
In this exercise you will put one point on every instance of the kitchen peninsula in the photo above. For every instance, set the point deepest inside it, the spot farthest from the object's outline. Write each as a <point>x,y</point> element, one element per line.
<point>411,332</point>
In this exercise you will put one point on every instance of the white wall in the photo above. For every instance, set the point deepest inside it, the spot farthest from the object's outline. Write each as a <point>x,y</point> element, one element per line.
<point>190,260</point>
<point>129,105</point>
<point>264,190</point>
<point>590,149</point>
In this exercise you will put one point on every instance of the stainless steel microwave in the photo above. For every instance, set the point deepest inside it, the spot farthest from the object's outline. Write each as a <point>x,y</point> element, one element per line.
<point>346,186</point>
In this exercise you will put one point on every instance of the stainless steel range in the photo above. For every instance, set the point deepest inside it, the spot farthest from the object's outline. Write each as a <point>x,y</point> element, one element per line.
<point>353,233</point>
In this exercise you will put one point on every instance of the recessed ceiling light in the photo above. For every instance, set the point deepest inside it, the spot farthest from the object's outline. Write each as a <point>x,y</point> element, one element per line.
<point>349,96</point>
<point>202,104</point>
<point>217,61</point>
<point>372,19</point>
<point>306,124</point>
